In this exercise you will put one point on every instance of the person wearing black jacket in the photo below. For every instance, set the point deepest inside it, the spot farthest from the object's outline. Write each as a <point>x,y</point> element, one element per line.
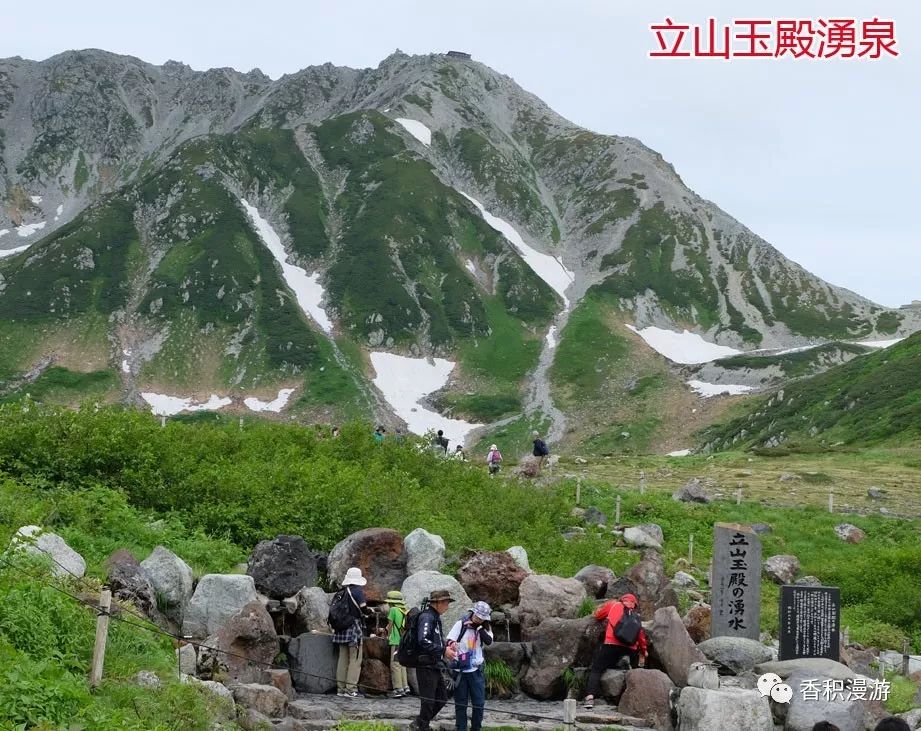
<point>432,653</point>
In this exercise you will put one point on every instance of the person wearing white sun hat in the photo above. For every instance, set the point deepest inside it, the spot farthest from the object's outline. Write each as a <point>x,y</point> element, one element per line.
<point>493,459</point>
<point>469,634</point>
<point>349,640</point>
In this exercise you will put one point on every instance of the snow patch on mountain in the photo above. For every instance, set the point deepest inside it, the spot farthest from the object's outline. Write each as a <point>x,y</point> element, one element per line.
<point>306,287</point>
<point>716,389</point>
<point>547,267</point>
<point>679,453</point>
<point>551,337</point>
<point>12,252</point>
<point>470,267</point>
<point>417,130</point>
<point>30,228</point>
<point>879,343</point>
<point>36,199</point>
<point>163,405</point>
<point>58,212</point>
<point>684,347</point>
<point>276,405</point>
<point>404,382</point>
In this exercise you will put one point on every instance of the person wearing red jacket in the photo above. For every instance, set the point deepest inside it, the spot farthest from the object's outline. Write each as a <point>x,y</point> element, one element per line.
<point>613,649</point>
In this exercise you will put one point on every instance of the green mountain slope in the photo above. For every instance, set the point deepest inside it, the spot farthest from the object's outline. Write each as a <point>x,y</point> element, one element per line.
<point>872,399</point>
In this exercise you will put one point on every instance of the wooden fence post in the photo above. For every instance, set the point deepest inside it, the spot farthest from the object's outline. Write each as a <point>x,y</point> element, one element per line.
<point>691,550</point>
<point>102,633</point>
<point>831,502</point>
<point>617,511</point>
<point>578,490</point>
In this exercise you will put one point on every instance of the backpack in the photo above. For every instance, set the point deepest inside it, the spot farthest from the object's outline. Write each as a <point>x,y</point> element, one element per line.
<point>496,456</point>
<point>408,649</point>
<point>540,448</point>
<point>341,616</point>
<point>628,629</point>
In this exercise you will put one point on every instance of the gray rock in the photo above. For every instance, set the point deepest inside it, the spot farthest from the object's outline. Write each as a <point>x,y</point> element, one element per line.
<point>418,587</point>
<point>684,581</point>
<point>265,699</point>
<point>558,645</point>
<point>646,696</point>
<point>171,579</point>
<point>512,654</point>
<point>596,580</point>
<point>313,659</point>
<point>305,710</point>
<point>282,566</point>
<point>147,679</point>
<point>876,493</point>
<point>188,659</point>
<point>639,537</point>
<point>521,557</point>
<point>808,581</point>
<point>671,647</point>
<point>912,718</point>
<point>593,516</point>
<point>649,582</point>
<point>542,596</point>
<point>312,611</point>
<point>700,709</point>
<point>812,666</point>
<point>216,599</point>
<point>849,533</point>
<point>703,675</point>
<point>224,704</point>
<point>781,569</point>
<point>281,679</point>
<point>242,647</point>
<point>762,528</point>
<point>64,560</point>
<point>424,551</point>
<point>801,715</point>
<point>129,583</point>
<point>613,683</point>
<point>692,492</point>
<point>788,477</point>
<point>736,655</point>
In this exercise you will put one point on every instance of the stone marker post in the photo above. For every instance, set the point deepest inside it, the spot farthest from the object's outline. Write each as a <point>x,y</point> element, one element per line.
<point>736,582</point>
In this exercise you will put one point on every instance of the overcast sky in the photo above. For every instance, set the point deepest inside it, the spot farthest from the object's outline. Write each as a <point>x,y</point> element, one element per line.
<point>821,158</point>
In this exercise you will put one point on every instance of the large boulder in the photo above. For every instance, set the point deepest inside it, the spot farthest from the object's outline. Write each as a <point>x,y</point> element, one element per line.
<point>697,622</point>
<point>700,709</point>
<point>647,535</point>
<point>265,699</point>
<point>313,658</point>
<point>811,666</point>
<point>692,492</point>
<point>596,580</point>
<point>424,551</point>
<point>216,599</point>
<point>512,654</point>
<point>311,611</point>
<point>736,655</point>
<point>282,566</point>
<point>64,560</point>
<point>281,679</point>
<point>375,676</point>
<point>542,596</point>
<point>782,569</point>
<point>491,576</point>
<point>171,579</point>
<point>129,583</point>
<point>648,580</point>
<point>559,644</point>
<point>802,713</point>
<point>646,695</point>
<point>418,587</point>
<point>243,646</point>
<point>378,552</point>
<point>613,683</point>
<point>671,646</point>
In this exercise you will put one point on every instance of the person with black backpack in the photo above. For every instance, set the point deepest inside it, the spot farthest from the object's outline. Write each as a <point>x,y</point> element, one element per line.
<point>623,637</point>
<point>426,650</point>
<point>345,613</point>
<point>541,450</point>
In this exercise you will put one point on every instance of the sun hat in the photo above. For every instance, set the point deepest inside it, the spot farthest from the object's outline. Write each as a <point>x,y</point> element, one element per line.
<point>535,433</point>
<point>482,610</point>
<point>440,595</point>
<point>353,577</point>
<point>395,598</point>
<point>493,446</point>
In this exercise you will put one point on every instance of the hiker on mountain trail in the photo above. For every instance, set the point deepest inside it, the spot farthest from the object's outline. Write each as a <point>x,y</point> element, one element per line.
<point>469,634</point>
<point>396,619</point>
<point>459,454</point>
<point>623,637</point>
<point>345,613</point>
<point>541,450</point>
<point>493,460</point>
<point>432,653</point>
<point>442,441</point>
<point>379,434</point>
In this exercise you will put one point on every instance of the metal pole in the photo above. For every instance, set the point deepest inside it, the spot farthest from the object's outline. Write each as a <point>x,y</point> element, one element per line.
<point>102,633</point>
<point>569,713</point>
<point>617,512</point>
<point>691,550</point>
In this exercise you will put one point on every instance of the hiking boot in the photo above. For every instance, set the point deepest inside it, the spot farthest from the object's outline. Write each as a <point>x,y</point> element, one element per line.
<point>395,694</point>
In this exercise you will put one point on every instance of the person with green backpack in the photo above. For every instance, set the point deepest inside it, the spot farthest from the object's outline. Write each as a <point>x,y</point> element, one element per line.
<point>396,622</point>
